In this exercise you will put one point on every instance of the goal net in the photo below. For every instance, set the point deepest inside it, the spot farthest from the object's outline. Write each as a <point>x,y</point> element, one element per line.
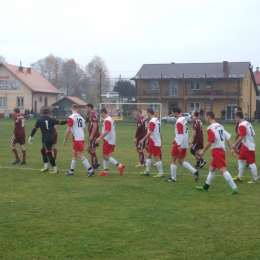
<point>126,111</point>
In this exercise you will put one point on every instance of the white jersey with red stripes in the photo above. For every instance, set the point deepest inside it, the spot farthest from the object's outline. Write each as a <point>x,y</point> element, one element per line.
<point>109,124</point>
<point>181,132</point>
<point>217,135</point>
<point>155,127</point>
<point>246,130</point>
<point>77,124</point>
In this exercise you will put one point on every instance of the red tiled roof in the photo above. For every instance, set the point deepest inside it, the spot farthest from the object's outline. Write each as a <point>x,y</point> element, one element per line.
<point>34,80</point>
<point>257,77</point>
<point>75,100</point>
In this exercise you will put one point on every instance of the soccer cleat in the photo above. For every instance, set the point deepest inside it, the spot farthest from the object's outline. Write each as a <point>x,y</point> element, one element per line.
<point>237,179</point>
<point>98,164</point>
<point>196,175</point>
<point>154,164</point>
<point>53,171</point>
<point>145,173</point>
<point>24,162</point>
<point>91,173</point>
<point>235,191</point>
<point>158,176</point>
<point>253,181</point>
<point>140,165</point>
<point>69,173</point>
<point>16,161</point>
<point>44,169</point>
<point>201,188</point>
<point>171,180</point>
<point>121,169</point>
<point>203,163</point>
<point>103,174</point>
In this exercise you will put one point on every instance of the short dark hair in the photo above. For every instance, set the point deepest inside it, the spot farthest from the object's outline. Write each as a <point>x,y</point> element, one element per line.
<point>239,108</point>
<point>150,110</point>
<point>210,114</point>
<point>46,110</point>
<point>196,113</point>
<point>89,105</point>
<point>176,109</point>
<point>139,110</point>
<point>103,110</point>
<point>17,110</point>
<point>239,114</point>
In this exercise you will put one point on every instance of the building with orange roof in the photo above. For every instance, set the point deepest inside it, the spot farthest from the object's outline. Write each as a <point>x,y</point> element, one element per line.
<point>257,79</point>
<point>24,88</point>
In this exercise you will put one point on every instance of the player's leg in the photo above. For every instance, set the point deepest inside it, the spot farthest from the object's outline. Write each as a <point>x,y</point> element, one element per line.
<point>73,163</point>
<point>174,156</point>
<point>156,153</point>
<point>45,160</point>
<point>139,149</point>
<point>148,161</point>
<point>229,180</point>
<point>250,158</point>
<point>23,153</point>
<point>193,152</point>
<point>209,179</point>
<point>14,151</point>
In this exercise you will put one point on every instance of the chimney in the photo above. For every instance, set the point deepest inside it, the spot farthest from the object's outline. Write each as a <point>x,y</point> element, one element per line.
<point>225,66</point>
<point>29,70</point>
<point>257,68</point>
<point>21,68</point>
<point>172,62</point>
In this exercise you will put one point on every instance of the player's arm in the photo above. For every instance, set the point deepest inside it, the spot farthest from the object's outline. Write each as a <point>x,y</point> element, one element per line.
<point>242,134</point>
<point>211,139</point>
<point>95,125</point>
<point>193,134</point>
<point>61,122</point>
<point>230,147</point>
<point>180,137</point>
<point>146,136</point>
<point>67,135</point>
<point>106,131</point>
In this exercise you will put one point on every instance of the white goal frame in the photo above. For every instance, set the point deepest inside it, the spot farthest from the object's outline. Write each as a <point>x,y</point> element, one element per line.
<point>148,104</point>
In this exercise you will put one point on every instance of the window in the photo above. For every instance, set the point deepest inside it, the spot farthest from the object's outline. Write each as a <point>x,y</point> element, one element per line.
<point>194,106</point>
<point>20,102</point>
<point>208,104</point>
<point>154,106</point>
<point>173,88</point>
<point>154,85</point>
<point>2,102</point>
<point>208,84</point>
<point>194,85</point>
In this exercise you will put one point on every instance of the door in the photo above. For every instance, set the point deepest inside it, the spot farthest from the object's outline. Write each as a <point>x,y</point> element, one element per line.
<point>230,111</point>
<point>171,105</point>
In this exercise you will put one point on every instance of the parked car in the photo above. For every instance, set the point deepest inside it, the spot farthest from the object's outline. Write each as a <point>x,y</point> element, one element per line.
<point>172,119</point>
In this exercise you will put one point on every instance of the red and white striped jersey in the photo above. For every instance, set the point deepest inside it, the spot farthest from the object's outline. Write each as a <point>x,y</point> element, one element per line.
<point>181,132</point>
<point>77,124</point>
<point>155,128</point>
<point>217,135</point>
<point>109,125</point>
<point>245,129</point>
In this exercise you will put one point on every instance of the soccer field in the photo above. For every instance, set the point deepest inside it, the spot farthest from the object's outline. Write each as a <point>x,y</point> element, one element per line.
<point>45,216</point>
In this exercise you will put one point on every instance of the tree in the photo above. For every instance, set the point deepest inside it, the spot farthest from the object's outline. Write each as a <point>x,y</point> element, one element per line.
<point>96,72</point>
<point>125,89</point>
<point>3,59</point>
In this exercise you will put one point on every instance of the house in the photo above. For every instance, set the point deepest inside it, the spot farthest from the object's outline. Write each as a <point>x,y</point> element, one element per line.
<point>257,79</point>
<point>192,86</point>
<point>64,104</point>
<point>24,88</point>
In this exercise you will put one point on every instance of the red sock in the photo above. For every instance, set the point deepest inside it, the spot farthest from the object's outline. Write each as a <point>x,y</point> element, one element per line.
<point>141,156</point>
<point>24,155</point>
<point>15,154</point>
<point>55,151</point>
<point>94,160</point>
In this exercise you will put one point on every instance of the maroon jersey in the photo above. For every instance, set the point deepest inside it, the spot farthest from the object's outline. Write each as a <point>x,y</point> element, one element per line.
<point>19,126</point>
<point>197,126</point>
<point>141,130</point>
<point>91,119</point>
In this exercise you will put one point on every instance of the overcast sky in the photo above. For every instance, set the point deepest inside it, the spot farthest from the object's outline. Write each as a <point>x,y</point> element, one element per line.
<point>127,34</point>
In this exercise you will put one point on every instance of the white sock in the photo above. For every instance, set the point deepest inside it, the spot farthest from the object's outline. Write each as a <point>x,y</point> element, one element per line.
<point>55,168</point>
<point>159,167</point>
<point>86,163</point>
<point>113,161</point>
<point>189,167</point>
<point>46,165</point>
<point>174,171</point>
<point>73,164</point>
<point>148,165</point>
<point>105,164</point>
<point>229,180</point>
<point>210,177</point>
<point>254,171</point>
<point>241,168</point>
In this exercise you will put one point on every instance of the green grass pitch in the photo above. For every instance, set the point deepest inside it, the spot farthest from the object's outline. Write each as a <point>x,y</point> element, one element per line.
<point>46,216</point>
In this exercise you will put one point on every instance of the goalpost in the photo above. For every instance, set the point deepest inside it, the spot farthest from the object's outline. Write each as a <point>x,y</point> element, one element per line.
<point>118,112</point>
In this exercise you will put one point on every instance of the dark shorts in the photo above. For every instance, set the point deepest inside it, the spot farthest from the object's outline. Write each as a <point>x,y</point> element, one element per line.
<point>19,140</point>
<point>140,146</point>
<point>92,143</point>
<point>197,146</point>
<point>47,146</point>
